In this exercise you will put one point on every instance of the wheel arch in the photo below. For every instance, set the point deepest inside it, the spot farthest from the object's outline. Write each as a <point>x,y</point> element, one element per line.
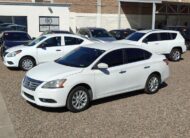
<point>178,47</point>
<point>29,57</point>
<point>84,85</point>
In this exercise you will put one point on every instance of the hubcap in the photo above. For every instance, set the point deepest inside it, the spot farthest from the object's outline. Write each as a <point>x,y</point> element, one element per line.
<point>153,84</point>
<point>27,64</point>
<point>79,99</point>
<point>176,55</point>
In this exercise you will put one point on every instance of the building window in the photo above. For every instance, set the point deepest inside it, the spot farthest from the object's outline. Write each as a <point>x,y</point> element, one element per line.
<point>48,23</point>
<point>13,23</point>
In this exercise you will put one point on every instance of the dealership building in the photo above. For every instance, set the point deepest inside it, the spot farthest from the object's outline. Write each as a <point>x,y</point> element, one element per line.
<point>41,15</point>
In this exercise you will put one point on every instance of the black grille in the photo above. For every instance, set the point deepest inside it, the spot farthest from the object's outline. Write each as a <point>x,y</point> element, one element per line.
<point>29,96</point>
<point>31,84</point>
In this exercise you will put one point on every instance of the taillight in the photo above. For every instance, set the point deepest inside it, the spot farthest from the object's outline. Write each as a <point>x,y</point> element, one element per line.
<point>166,61</point>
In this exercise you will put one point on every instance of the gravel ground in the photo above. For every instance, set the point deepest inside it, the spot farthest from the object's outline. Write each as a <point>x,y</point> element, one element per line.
<point>165,114</point>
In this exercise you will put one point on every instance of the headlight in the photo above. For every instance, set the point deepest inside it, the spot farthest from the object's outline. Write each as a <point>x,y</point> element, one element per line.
<point>54,84</point>
<point>12,54</point>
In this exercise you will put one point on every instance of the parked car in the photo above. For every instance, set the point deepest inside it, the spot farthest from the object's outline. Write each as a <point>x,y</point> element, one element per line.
<point>167,42</point>
<point>42,49</point>
<point>79,77</point>
<point>56,32</point>
<point>10,39</point>
<point>121,33</point>
<point>96,34</point>
<point>185,32</point>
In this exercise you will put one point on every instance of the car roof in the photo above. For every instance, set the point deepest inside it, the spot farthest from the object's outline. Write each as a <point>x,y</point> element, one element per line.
<point>9,31</point>
<point>110,46</point>
<point>62,34</point>
<point>158,30</point>
<point>92,28</point>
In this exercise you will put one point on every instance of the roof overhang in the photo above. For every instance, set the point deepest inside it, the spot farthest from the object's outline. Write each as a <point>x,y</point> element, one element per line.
<point>142,1</point>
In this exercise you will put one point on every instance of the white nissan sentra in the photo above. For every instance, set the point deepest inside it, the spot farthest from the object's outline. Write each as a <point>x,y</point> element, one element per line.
<point>45,48</point>
<point>92,72</point>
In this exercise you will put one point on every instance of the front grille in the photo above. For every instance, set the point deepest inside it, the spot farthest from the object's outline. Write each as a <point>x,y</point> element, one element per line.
<point>31,84</point>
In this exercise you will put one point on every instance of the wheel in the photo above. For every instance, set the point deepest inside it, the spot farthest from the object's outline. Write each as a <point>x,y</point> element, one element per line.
<point>152,84</point>
<point>175,55</point>
<point>26,63</point>
<point>78,99</point>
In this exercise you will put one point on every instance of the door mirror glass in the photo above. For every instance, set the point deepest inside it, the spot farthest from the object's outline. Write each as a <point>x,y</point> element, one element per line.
<point>86,36</point>
<point>102,66</point>
<point>145,41</point>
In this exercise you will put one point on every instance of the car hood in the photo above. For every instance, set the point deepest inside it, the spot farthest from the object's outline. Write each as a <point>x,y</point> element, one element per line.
<point>51,71</point>
<point>20,47</point>
<point>9,44</point>
<point>127,42</point>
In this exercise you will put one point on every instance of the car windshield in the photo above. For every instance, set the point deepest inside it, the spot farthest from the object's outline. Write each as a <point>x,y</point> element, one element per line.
<point>35,41</point>
<point>17,36</point>
<point>81,57</point>
<point>100,33</point>
<point>135,36</point>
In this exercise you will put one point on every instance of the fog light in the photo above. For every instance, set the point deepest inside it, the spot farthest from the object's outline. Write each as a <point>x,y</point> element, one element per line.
<point>47,100</point>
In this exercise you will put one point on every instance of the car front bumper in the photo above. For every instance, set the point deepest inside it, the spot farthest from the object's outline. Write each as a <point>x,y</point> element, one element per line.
<point>45,97</point>
<point>11,61</point>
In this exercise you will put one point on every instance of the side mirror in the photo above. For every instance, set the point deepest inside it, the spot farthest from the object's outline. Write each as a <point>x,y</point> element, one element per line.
<point>145,41</point>
<point>102,66</point>
<point>86,36</point>
<point>42,46</point>
<point>33,38</point>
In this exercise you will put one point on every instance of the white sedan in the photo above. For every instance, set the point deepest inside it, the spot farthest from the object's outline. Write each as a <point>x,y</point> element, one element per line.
<point>93,72</point>
<point>43,49</point>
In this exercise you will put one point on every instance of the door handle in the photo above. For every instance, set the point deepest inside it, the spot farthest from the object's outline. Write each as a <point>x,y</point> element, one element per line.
<point>58,50</point>
<point>146,67</point>
<point>123,71</point>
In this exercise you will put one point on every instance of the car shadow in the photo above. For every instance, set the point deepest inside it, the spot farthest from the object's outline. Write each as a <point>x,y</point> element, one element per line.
<point>96,102</point>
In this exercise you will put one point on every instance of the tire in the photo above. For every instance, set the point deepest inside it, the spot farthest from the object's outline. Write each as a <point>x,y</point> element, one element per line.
<point>152,84</point>
<point>175,54</point>
<point>75,102</point>
<point>26,63</point>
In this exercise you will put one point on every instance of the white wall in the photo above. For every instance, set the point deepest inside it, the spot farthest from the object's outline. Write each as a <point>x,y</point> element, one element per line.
<point>109,21</point>
<point>33,13</point>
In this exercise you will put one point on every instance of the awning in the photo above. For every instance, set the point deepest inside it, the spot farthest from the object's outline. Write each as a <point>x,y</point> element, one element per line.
<point>142,1</point>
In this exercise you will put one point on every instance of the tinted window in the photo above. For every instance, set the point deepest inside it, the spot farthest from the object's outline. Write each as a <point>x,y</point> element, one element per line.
<point>16,36</point>
<point>99,33</point>
<point>114,58</point>
<point>164,36</point>
<point>152,37</point>
<point>173,35</point>
<point>73,41</point>
<point>135,36</point>
<point>80,57</point>
<point>51,42</point>
<point>134,55</point>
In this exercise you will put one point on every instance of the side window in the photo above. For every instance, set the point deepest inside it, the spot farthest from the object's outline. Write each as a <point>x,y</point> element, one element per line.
<point>173,36</point>
<point>164,36</point>
<point>114,58</point>
<point>134,55</point>
<point>72,41</point>
<point>151,38</point>
<point>52,42</point>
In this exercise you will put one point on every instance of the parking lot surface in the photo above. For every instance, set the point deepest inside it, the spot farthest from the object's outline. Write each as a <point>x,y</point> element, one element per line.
<point>165,114</point>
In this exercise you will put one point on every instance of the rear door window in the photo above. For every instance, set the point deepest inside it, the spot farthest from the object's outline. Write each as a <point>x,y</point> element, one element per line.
<point>173,36</point>
<point>164,36</point>
<point>135,55</point>
<point>72,41</point>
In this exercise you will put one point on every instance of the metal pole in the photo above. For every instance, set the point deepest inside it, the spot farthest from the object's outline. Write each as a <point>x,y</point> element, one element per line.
<point>119,15</point>
<point>98,18</point>
<point>153,15</point>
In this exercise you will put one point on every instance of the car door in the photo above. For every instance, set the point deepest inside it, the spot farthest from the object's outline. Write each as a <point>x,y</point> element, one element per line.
<point>71,43</point>
<point>137,67</point>
<point>110,81</point>
<point>50,49</point>
<point>152,43</point>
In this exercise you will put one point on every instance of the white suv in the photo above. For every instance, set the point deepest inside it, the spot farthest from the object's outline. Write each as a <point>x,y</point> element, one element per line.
<point>43,49</point>
<point>167,42</point>
<point>93,72</point>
